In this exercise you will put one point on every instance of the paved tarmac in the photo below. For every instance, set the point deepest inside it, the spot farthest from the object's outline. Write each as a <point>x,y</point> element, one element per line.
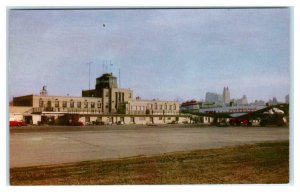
<point>32,146</point>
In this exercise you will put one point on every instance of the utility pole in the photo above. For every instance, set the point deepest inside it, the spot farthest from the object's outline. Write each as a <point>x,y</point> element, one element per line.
<point>89,63</point>
<point>119,77</point>
<point>110,66</point>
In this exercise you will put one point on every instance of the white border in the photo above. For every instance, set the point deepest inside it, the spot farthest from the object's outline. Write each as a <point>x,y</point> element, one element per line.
<point>143,3</point>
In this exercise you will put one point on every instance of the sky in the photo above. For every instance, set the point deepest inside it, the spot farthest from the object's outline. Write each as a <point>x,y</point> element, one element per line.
<point>167,54</point>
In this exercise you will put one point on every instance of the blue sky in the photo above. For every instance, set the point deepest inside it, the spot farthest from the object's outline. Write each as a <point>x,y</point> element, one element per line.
<point>161,53</point>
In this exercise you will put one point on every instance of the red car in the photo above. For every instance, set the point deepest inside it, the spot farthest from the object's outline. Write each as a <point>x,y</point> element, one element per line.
<point>239,122</point>
<point>17,123</point>
<point>76,123</point>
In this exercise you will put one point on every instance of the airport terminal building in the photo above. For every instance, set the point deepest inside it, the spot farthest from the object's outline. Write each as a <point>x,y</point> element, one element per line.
<point>106,104</point>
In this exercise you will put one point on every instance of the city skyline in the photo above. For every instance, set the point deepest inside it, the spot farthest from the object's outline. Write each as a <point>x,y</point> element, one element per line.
<point>161,53</point>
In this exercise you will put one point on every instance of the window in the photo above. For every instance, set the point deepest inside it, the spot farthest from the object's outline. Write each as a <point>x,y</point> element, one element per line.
<point>49,104</point>
<point>72,103</point>
<point>64,104</point>
<point>41,103</point>
<point>99,104</point>
<point>155,106</point>
<point>174,107</point>
<point>166,107</point>
<point>160,107</point>
<point>85,104</point>
<point>170,107</point>
<point>119,96</point>
<point>56,103</point>
<point>92,104</point>
<point>78,104</point>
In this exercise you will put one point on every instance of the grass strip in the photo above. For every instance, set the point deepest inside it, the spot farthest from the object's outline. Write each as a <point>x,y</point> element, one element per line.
<point>263,163</point>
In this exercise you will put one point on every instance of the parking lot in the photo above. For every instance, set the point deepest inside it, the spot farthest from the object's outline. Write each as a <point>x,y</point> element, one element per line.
<point>36,145</point>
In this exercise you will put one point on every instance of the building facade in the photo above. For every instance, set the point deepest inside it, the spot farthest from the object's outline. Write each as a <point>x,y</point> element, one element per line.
<point>106,104</point>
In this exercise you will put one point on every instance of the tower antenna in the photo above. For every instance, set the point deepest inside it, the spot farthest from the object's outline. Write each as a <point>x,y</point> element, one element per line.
<point>119,77</point>
<point>103,67</point>
<point>110,66</point>
<point>106,69</point>
<point>89,63</point>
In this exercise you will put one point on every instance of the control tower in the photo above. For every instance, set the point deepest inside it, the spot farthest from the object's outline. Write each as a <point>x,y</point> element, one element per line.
<point>107,80</point>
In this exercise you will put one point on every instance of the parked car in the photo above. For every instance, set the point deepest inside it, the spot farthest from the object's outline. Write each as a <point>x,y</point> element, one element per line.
<point>88,123</point>
<point>76,123</point>
<point>240,122</point>
<point>120,123</point>
<point>99,123</point>
<point>17,123</point>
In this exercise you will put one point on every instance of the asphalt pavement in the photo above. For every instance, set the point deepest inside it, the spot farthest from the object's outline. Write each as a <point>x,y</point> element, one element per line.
<point>48,145</point>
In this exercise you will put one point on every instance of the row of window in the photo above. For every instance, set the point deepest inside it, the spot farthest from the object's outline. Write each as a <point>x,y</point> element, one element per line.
<point>156,107</point>
<point>64,104</point>
<point>160,118</point>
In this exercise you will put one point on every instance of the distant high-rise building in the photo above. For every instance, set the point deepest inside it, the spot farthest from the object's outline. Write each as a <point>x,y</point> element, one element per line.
<point>210,97</point>
<point>273,101</point>
<point>226,95</point>
<point>242,101</point>
<point>220,98</point>
<point>259,103</point>
<point>287,99</point>
<point>213,98</point>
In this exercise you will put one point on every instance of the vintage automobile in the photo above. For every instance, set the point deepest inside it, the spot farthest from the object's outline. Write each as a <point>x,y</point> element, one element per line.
<point>14,123</point>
